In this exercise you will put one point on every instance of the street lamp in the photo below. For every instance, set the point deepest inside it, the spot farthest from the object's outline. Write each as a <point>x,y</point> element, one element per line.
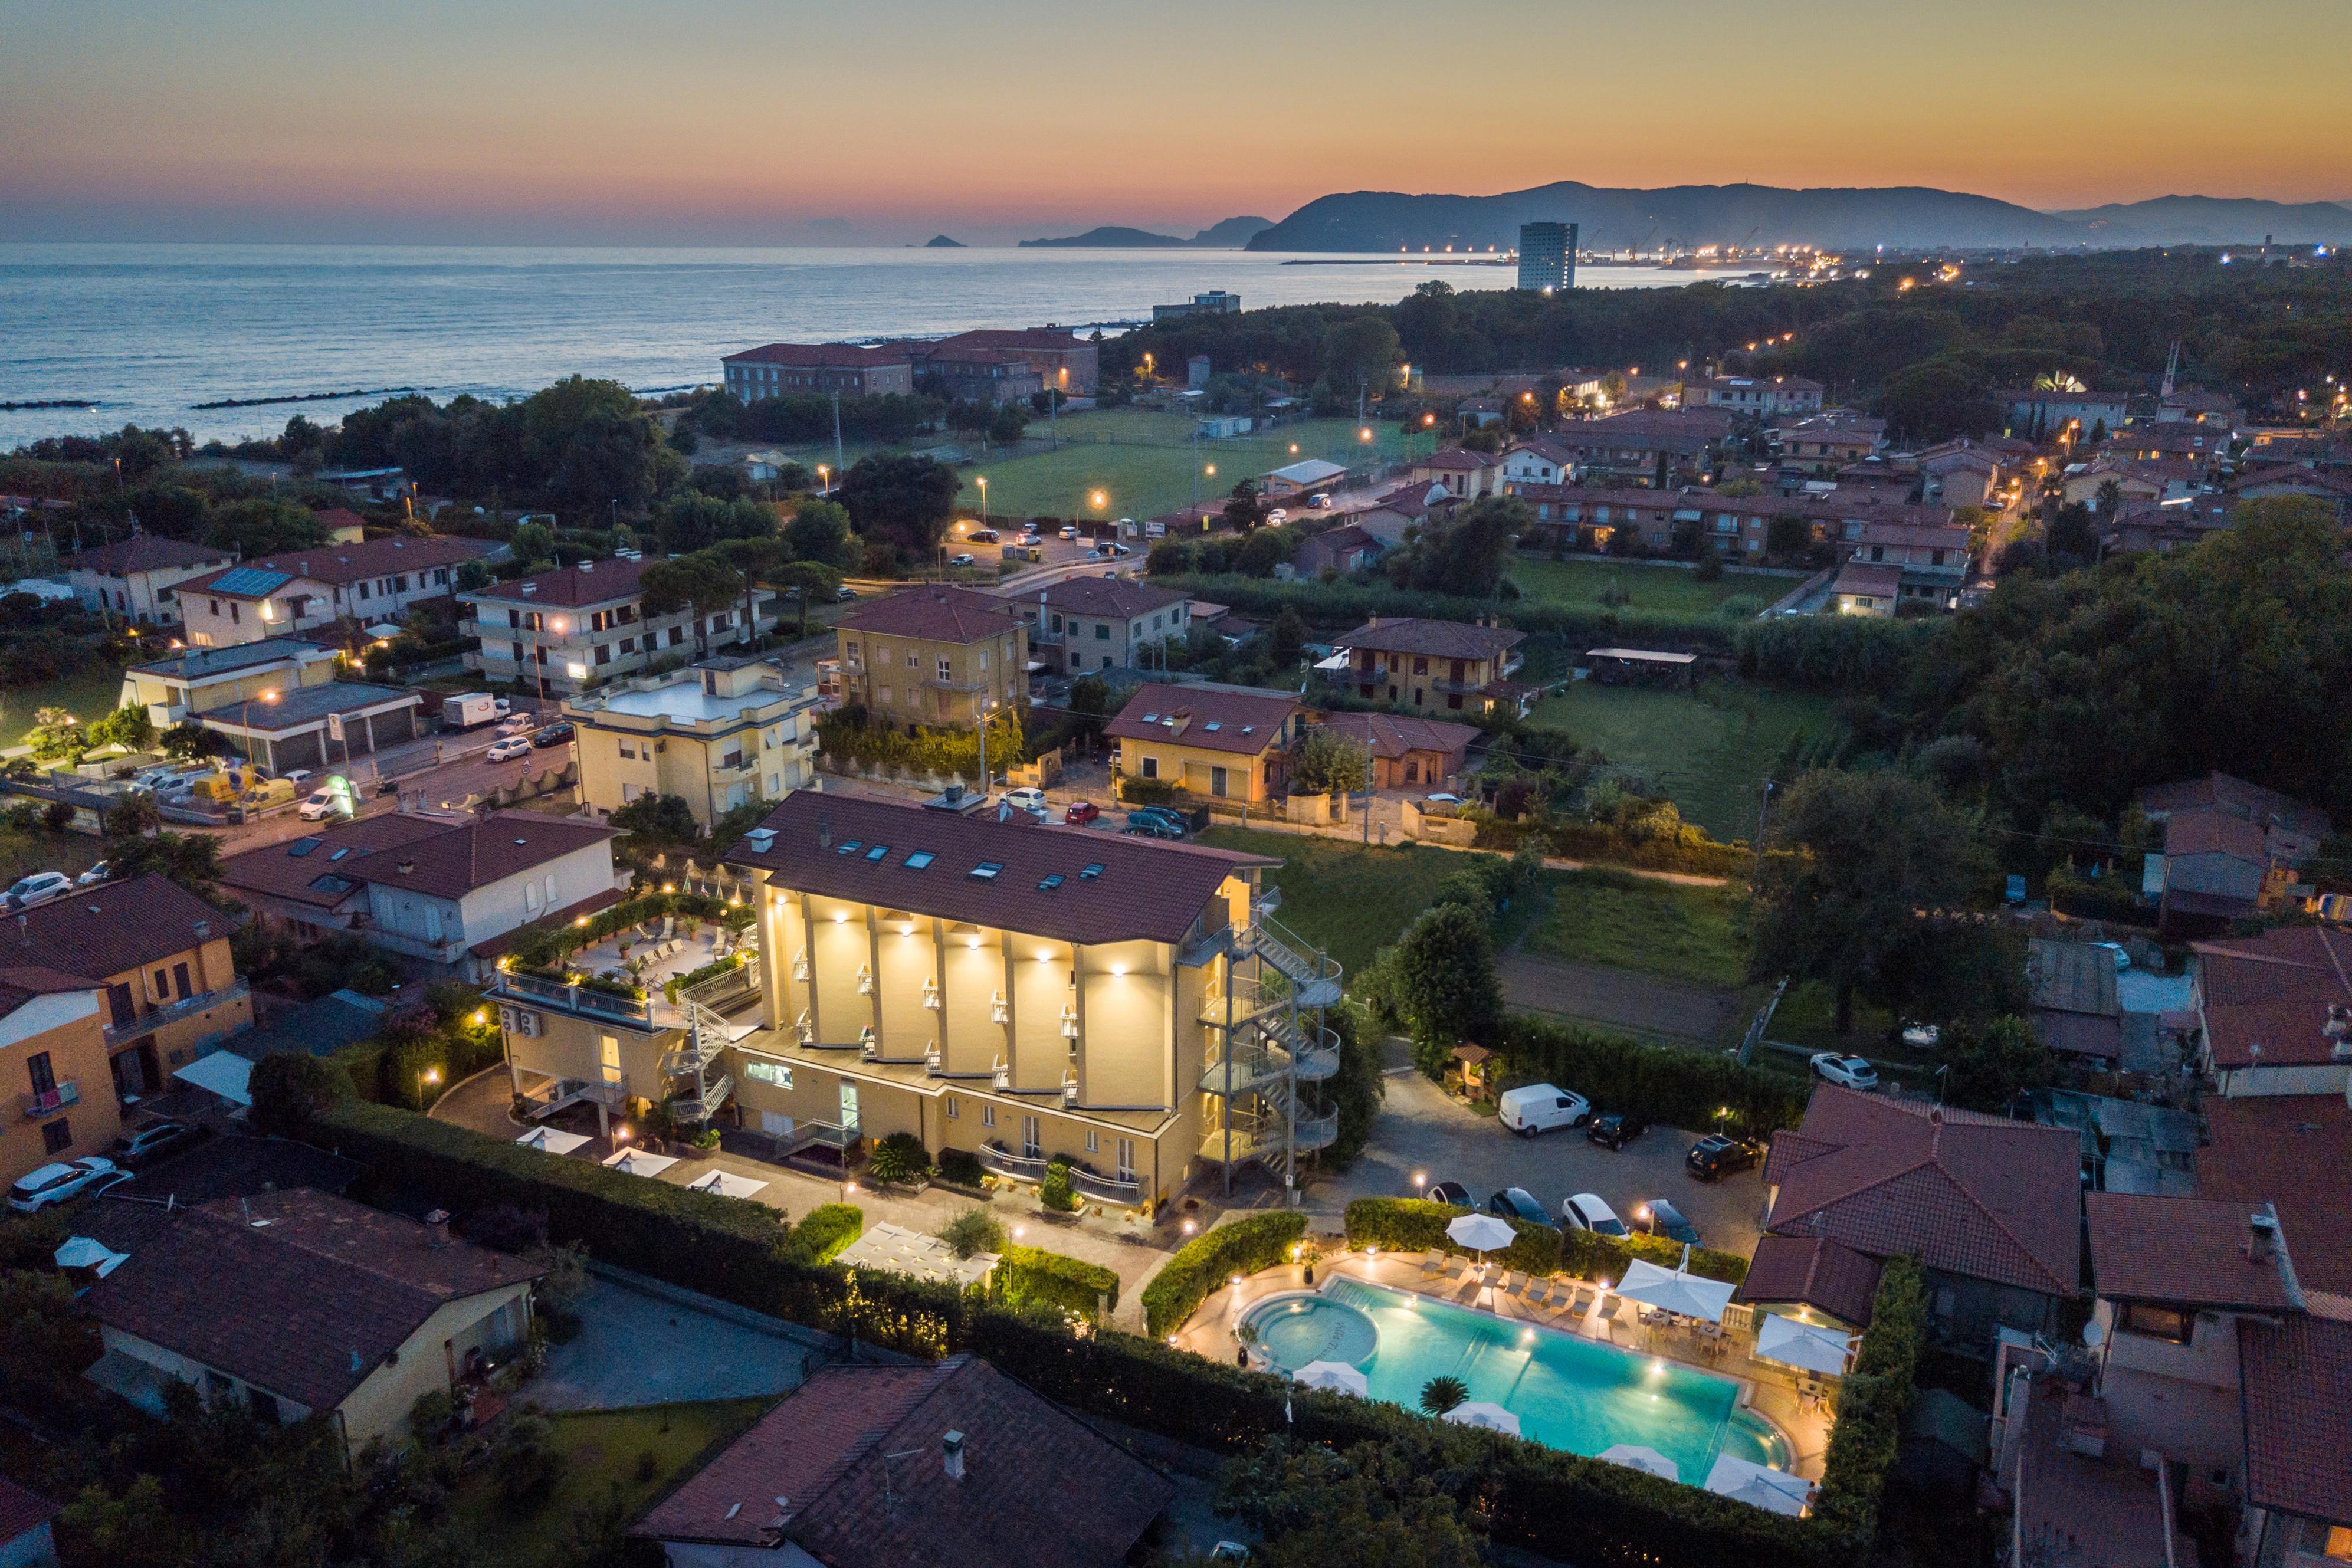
<point>1420,1180</point>
<point>983,500</point>
<point>823,479</point>
<point>426,1080</point>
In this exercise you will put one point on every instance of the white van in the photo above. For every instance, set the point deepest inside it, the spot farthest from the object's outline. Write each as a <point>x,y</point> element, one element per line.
<point>1540,1108</point>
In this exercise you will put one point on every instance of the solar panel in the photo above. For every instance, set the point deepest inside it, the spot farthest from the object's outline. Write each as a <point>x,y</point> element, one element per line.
<point>251,580</point>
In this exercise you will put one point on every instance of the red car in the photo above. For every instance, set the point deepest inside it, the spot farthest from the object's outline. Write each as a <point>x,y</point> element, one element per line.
<point>1080,813</point>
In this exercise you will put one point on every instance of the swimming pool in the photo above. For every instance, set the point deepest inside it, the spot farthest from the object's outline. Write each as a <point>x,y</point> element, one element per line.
<point>1569,1392</point>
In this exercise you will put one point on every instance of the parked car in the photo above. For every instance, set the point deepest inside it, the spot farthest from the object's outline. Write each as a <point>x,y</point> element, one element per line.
<point>1659,1217</point>
<point>1615,1129</point>
<point>1923,1035</point>
<point>324,804</point>
<point>1168,815</point>
<point>1587,1211</point>
<point>296,776</point>
<point>1028,799</point>
<point>139,1144</point>
<point>1069,530</point>
<point>1539,1107</point>
<point>55,1183</point>
<point>1277,517</point>
<point>31,892</point>
<point>1079,813</point>
<point>1852,1071</point>
<point>1318,501</point>
<point>1453,1193</point>
<point>844,593</point>
<point>1442,798</point>
<point>1151,826</point>
<point>983,536</point>
<point>1718,1156</point>
<point>555,734</point>
<point>1518,1203</point>
<point>961,559</point>
<point>516,723</point>
<point>1118,548</point>
<point>101,872</point>
<point>507,750</point>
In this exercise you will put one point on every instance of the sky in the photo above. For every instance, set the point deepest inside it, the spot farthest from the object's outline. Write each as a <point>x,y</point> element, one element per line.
<point>884,121</point>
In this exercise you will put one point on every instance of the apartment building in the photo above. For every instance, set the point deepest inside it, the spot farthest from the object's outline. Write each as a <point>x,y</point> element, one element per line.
<point>297,591</point>
<point>971,374</point>
<point>1818,447</point>
<point>779,370</point>
<point>937,654</point>
<point>1225,742</point>
<point>1466,475</point>
<point>139,576</point>
<point>1538,460</point>
<point>1755,394</point>
<point>1573,518</point>
<point>200,680</point>
<point>1931,563</point>
<point>1429,664</point>
<point>718,735</point>
<point>52,1065</point>
<point>1022,993</point>
<point>1102,623</point>
<point>564,631</point>
<point>1646,445</point>
<point>1062,362</point>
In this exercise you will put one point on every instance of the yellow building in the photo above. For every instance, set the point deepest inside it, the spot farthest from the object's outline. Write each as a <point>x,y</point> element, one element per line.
<point>1227,742</point>
<point>203,678</point>
<point>933,656</point>
<point>53,1061</point>
<point>718,735</point>
<point>1450,666</point>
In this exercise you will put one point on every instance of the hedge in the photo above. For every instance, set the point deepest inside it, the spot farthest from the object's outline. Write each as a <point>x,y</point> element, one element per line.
<point>1415,1225</point>
<point>1663,1084</point>
<point>1031,1274</point>
<point>824,1231</point>
<point>1872,1399</point>
<point>1590,1256</point>
<point>1207,1262</point>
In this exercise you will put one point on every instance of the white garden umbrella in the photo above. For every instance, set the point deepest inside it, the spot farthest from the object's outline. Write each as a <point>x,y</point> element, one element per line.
<point>638,1162</point>
<point>1675,1291</point>
<point>553,1139</point>
<point>1337,1376</point>
<point>81,1252</point>
<point>1634,1456</point>
<point>1484,1413</point>
<point>1481,1232</point>
<point>1807,1345</point>
<point>1743,1481</point>
<point>727,1184</point>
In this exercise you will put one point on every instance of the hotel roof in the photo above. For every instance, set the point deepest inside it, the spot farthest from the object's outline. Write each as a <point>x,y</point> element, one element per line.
<point>937,614</point>
<point>1211,718</point>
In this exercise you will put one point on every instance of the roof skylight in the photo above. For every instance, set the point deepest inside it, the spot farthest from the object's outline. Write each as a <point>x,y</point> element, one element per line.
<point>851,847</point>
<point>986,870</point>
<point>1050,883</point>
<point>301,846</point>
<point>1091,872</point>
<point>918,860</point>
<point>880,852</point>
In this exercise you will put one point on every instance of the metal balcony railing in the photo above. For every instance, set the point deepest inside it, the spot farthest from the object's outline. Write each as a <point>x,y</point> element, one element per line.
<point>701,1102</point>
<point>585,1000</point>
<point>171,1013</point>
<point>1106,1189</point>
<point>56,1098</point>
<point>1015,1167</point>
<point>1251,1066</point>
<point>1318,1059</point>
<point>1317,1131</point>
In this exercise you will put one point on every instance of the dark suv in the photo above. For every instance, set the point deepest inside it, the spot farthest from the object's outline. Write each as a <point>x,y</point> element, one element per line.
<point>1615,1129</point>
<point>1718,1156</point>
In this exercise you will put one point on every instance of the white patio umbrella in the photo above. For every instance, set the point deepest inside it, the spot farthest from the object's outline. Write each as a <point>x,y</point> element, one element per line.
<point>1634,1456</point>
<point>1484,1413</point>
<point>1675,1291</point>
<point>82,1252</point>
<point>1481,1233</point>
<point>727,1184</point>
<point>1743,1481</point>
<point>552,1140</point>
<point>1335,1376</point>
<point>638,1162</point>
<point>1807,1345</point>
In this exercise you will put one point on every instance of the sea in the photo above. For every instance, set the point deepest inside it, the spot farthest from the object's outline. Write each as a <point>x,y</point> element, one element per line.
<point>148,334</point>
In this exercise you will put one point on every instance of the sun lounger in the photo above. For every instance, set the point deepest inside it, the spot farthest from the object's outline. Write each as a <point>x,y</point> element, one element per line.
<point>1433,1261</point>
<point>1583,1303</point>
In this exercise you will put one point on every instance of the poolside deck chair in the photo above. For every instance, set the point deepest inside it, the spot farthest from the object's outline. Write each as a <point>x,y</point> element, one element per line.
<point>1433,1261</point>
<point>1584,1299</point>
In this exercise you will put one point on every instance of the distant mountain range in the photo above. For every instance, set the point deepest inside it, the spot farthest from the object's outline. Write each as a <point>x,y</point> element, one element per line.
<point>1232,234</point>
<point>1838,217</point>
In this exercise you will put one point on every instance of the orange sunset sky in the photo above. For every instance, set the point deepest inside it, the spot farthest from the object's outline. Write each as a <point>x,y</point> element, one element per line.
<point>885,120</point>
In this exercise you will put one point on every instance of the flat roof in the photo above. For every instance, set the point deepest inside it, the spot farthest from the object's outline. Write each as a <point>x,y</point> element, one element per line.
<point>685,701</point>
<point>1641,655</point>
<point>306,705</point>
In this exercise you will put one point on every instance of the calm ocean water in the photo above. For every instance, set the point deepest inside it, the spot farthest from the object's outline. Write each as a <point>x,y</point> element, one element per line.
<point>149,329</point>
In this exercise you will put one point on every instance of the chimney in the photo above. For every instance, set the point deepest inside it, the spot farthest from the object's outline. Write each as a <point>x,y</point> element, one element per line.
<point>824,833</point>
<point>587,568</point>
<point>1371,621</point>
<point>406,867</point>
<point>2339,1030</point>
<point>951,1454</point>
<point>436,1226</point>
<point>2262,1236</point>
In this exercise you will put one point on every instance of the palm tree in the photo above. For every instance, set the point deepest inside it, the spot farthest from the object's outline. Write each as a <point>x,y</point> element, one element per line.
<point>1440,1394</point>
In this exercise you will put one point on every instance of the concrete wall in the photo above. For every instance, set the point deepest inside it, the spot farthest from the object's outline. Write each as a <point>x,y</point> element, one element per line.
<point>493,1320</point>
<point>2178,1400</point>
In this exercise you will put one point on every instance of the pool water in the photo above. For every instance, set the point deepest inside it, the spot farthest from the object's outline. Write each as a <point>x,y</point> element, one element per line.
<point>1569,1392</point>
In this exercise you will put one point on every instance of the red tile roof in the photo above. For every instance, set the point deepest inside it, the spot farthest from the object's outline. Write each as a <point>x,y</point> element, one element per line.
<point>1813,1270</point>
<point>473,855</point>
<point>1458,459</point>
<point>279,871</point>
<point>1440,639</point>
<point>1106,598</point>
<point>2211,833</point>
<point>1871,581</point>
<point>22,1510</point>
<point>103,931</point>
<point>146,553</point>
<point>1146,890</point>
<point>1394,734</point>
<point>934,614</point>
<point>604,582</point>
<point>846,356</point>
<point>1211,718</point>
<point>2295,1394</point>
<point>2273,991</point>
<point>2294,1152</point>
<point>2220,792</point>
<point>856,1457</point>
<point>2191,1251</point>
<point>1970,1194</point>
<point>336,564</point>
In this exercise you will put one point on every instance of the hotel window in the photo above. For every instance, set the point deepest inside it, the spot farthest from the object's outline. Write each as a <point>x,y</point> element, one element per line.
<point>1032,1146</point>
<point>948,1108</point>
<point>778,1075</point>
<point>1126,1159</point>
<point>1094,1142</point>
<point>987,1114</point>
<point>628,753</point>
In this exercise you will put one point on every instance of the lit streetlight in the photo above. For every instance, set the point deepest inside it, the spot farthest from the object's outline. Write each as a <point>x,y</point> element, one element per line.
<point>983,500</point>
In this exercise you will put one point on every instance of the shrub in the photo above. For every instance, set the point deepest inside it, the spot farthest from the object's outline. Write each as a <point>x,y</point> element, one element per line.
<point>1590,1256</point>
<point>1676,1088</point>
<point>1029,1274</point>
<point>900,1157</point>
<point>1205,1262</point>
<point>1145,791</point>
<point>524,1460</point>
<point>1872,1399</point>
<point>1415,1225</point>
<point>963,1167</point>
<point>824,1230</point>
<point>290,1088</point>
<point>974,1232</point>
<point>1055,1192</point>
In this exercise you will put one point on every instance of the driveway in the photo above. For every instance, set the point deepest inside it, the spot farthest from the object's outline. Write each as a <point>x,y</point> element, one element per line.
<point>635,1349</point>
<point>1616,998</point>
<point>1421,1128</point>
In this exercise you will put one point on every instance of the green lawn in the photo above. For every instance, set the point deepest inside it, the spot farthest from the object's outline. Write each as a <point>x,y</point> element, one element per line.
<point>1666,592</point>
<point>1694,934</point>
<point>601,1450</point>
<point>1350,900</point>
<point>1709,751</point>
<point>89,694</point>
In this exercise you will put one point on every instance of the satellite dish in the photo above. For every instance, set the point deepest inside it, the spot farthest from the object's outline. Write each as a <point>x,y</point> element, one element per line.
<point>2094,1334</point>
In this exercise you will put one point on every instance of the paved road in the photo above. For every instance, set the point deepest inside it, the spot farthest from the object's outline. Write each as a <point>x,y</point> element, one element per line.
<point>460,773</point>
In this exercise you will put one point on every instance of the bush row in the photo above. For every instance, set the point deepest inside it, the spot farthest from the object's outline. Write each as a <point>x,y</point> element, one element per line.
<point>824,1231</point>
<point>1662,1084</point>
<point>1029,1274</point>
<point>1415,1225</point>
<point>1607,842</point>
<point>1872,1399</point>
<point>1205,1262</point>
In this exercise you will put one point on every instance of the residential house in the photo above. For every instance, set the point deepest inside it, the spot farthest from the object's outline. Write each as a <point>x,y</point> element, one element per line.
<point>1067,364</point>
<point>1821,446</point>
<point>1344,549</point>
<point>1988,1206</point>
<point>2274,1012</point>
<point>1538,461</point>
<point>718,735</point>
<point>2292,829</point>
<point>1809,1277</point>
<point>313,589</point>
<point>1019,991</point>
<point>2297,1396</point>
<point>2158,479</point>
<point>160,954</point>
<point>26,1539</point>
<point>2075,1499</point>
<point>886,1466</point>
<point>1406,752</point>
<point>1755,396</point>
<point>1466,475</point>
<point>799,369</point>
<point>2174,440</point>
<point>2195,406</point>
<point>1430,665</point>
<point>1304,478</point>
<point>2229,849</point>
<point>1875,479</point>
<point>564,631</point>
<point>430,888</point>
<point>934,654</point>
<point>139,576</point>
<point>1226,742</point>
<point>1102,623</point>
<point>1588,517</point>
<point>1861,589</point>
<point>1932,561</point>
<point>2293,1154</point>
<point>1647,446</point>
<point>2163,526</point>
<point>2053,415</point>
<point>1964,477</point>
<point>201,679</point>
<point>2331,488</point>
<point>1409,507</point>
<point>53,1063</point>
<point>300,1303</point>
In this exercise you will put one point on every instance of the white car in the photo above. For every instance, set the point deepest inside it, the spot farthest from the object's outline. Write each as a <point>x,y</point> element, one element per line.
<point>1069,530</point>
<point>322,805</point>
<point>95,875</point>
<point>517,723</point>
<point>55,1183</point>
<point>1538,1108</point>
<point>959,559</point>
<point>1587,1211</point>
<point>1852,1071</point>
<point>2123,959</point>
<point>511,748</point>
<point>299,775</point>
<point>31,892</point>
<point>1032,800</point>
<point>1277,516</point>
<point>1923,1035</point>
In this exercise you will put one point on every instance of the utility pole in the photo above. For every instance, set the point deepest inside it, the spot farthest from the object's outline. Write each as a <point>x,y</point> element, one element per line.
<point>838,466</point>
<point>1761,812</point>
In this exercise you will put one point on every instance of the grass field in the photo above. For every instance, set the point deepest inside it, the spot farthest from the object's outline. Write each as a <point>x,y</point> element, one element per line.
<point>87,694</point>
<point>1350,900</point>
<point>1698,935</point>
<point>600,1470</point>
<point>1666,592</point>
<point>1709,751</point>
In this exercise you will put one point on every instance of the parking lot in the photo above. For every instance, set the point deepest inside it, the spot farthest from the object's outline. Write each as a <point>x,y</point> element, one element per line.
<point>1420,1128</point>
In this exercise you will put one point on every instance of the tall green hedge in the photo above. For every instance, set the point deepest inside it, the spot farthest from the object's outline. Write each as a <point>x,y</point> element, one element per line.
<point>825,1231</point>
<point>1662,1084</point>
<point>1589,1256</point>
<point>1208,1260</point>
<point>1872,1399</point>
<point>1029,1274</point>
<point>1415,1225</point>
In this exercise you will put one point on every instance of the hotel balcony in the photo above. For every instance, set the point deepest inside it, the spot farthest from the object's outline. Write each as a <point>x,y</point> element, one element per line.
<point>66,1093</point>
<point>147,1023</point>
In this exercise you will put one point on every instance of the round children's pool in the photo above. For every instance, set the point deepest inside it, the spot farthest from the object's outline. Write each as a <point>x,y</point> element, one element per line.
<point>1293,1331</point>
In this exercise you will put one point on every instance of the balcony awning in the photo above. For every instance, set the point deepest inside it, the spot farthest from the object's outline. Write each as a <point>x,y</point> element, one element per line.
<point>224,1073</point>
<point>1337,661</point>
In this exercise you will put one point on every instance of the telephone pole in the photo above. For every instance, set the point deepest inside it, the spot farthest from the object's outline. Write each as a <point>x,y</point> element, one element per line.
<point>838,466</point>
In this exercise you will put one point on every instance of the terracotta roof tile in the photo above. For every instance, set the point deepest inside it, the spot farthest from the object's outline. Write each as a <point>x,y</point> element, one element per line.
<point>1813,1270</point>
<point>467,855</point>
<point>605,581</point>
<point>1441,640</point>
<point>2212,833</point>
<point>2193,1251</point>
<point>935,613</point>
<point>295,869</point>
<point>1106,598</point>
<point>146,553</point>
<point>2295,1393</point>
<point>2294,1152</point>
<point>1210,718</point>
<point>103,931</point>
<point>847,356</point>
<point>336,564</point>
<point>2273,991</point>
<point>1394,734</point>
